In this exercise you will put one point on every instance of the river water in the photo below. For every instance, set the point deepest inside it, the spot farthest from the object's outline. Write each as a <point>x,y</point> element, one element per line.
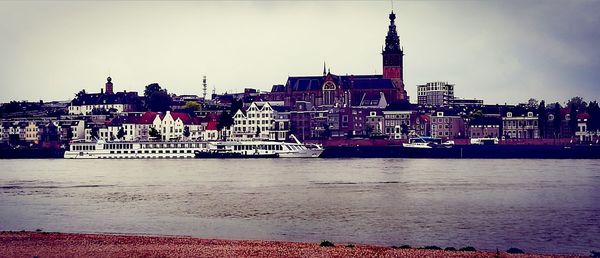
<point>547,206</point>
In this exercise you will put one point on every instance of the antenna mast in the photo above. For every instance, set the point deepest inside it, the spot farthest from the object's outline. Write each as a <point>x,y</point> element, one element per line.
<point>204,87</point>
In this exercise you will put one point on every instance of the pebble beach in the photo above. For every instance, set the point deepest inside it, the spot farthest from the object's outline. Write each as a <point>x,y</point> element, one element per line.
<point>43,244</point>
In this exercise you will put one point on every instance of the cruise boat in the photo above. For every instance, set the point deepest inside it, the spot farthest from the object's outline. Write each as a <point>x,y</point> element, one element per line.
<point>234,149</point>
<point>299,150</point>
<point>427,143</point>
<point>133,150</point>
<point>259,149</point>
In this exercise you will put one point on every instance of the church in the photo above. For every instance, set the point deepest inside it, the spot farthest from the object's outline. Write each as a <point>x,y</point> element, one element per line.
<point>330,90</point>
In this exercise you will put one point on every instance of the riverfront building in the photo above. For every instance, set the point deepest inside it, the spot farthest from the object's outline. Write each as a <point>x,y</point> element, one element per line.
<point>435,94</point>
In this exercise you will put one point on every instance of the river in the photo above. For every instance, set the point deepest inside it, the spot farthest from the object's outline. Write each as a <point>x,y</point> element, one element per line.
<point>547,206</point>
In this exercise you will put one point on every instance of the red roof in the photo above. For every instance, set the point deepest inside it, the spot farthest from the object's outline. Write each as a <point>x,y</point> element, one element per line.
<point>212,125</point>
<point>185,118</point>
<point>146,118</point>
<point>583,116</point>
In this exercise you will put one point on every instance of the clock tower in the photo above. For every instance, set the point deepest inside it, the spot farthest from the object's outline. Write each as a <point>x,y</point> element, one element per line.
<point>392,59</point>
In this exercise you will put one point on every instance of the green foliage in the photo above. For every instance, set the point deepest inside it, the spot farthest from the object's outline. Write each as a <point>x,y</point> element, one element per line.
<point>557,119</point>
<point>404,129</point>
<point>225,120</point>
<point>151,88</point>
<point>159,101</point>
<point>154,133</point>
<point>513,250</point>
<point>573,119</point>
<point>186,131</point>
<point>94,132</point>
<point>577,102</point>
<point>326,244</point>
<point>70,133</point>
<point>432,247</point>
<point>121,133</point>
<point>468,249</point>
<point>193,106</point>
<point>236,105</point>
<point>542,118</point>
<point>593,110</point>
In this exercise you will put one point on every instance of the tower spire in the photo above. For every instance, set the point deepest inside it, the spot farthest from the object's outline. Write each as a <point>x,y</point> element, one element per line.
<point>324,70</point>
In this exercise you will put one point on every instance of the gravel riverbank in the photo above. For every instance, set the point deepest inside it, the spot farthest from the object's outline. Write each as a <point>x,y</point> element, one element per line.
<point>41,244</point>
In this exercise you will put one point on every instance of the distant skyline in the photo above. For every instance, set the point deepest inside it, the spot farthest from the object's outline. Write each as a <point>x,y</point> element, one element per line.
<point>501,52</point>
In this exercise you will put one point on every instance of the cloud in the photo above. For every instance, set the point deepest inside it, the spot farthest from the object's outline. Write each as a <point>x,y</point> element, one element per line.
<point>504,51</point>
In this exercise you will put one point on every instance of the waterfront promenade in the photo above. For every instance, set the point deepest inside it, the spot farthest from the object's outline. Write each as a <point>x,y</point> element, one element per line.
<point>39,244</point>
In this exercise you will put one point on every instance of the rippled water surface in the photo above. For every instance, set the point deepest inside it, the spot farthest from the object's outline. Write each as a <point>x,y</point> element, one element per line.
<point>535,205</point>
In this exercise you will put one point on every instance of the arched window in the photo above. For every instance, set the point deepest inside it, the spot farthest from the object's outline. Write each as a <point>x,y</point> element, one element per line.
<point>328,93</point>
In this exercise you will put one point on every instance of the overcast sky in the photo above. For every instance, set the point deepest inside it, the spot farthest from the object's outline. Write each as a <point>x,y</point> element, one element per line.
<point>504,51</point>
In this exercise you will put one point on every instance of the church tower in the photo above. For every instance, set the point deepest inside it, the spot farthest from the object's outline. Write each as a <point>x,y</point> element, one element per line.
<point>109,86</point>
<point>392,59</point>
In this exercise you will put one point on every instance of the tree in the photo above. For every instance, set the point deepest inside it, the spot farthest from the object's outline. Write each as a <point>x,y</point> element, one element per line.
<point>542,118</point>
<point>404,129</point>
<point>94,132</point>
<point>327,132</point>
<point>593,109</point>
<point>192,106</point>
<point>154,133</point>
<point>121,133</point>
<point>151,88</point>
<point>186,131</point>
<point>159,102</point>
<point>573,119</point>
<point>257,132</point>
<point>225,120</point>
<point>69,133</point>
<point>369,130</point>
<point>557,119</point>
<point>578,102</point>
<point>236,105</point>
<point>532,103</point>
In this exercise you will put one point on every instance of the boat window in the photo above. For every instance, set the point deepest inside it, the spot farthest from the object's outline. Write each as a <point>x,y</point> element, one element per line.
<point>167,151</point>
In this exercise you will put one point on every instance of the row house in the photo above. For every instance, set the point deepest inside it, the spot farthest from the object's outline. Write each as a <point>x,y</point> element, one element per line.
<point>447,126</point>
<point>485,127</point>
<point>261,120</point>
<point>171,126</point>
<point>519,124</point>
<point>14,131</point>
<point>393,121</point>
<point>32,132</point>
<point>375,122</point>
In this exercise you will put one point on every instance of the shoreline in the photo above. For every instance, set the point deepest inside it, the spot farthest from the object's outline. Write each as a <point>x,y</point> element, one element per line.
<point>54,244</point>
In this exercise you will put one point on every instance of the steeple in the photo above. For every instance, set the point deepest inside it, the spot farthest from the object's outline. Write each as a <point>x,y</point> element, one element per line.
<point>393,59</point>
<point>109,86</point>
<point>392,42</point>
<point>324,70</point>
